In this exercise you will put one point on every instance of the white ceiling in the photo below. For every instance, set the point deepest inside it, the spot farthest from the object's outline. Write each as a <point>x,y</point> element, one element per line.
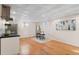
<point>42,12</point>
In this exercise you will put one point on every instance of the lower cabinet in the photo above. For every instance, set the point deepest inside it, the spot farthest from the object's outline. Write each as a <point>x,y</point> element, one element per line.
<point>10,46</point>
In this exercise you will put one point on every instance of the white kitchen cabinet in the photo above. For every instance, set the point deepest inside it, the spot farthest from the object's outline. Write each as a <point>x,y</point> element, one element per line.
<point>10,46</point>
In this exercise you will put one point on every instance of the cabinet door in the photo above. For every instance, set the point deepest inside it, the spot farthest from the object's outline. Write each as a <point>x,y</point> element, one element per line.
<point>10,46</point>
<point>0,10</point>
<point>5,12</point>
<point>8,12</point>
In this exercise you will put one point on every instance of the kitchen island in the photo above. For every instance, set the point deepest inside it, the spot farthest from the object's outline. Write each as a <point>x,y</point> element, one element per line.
<point>9,45</point>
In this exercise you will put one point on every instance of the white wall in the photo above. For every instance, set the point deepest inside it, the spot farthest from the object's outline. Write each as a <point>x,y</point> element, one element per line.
<point>70,37</point>
<point>26,29</point>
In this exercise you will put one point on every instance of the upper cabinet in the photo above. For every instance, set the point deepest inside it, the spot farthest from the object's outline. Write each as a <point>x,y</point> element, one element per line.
<point>0,10</point>
<point>4,12</point>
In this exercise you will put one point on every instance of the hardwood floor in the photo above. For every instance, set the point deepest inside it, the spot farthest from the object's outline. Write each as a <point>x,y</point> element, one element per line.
<point>53,47</point>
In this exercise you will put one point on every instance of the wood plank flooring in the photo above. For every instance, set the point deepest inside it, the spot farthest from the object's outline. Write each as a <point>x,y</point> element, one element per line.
<point>28,46</point>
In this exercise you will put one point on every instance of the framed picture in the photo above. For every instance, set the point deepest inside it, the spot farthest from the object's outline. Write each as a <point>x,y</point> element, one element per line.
<point>66,25</point>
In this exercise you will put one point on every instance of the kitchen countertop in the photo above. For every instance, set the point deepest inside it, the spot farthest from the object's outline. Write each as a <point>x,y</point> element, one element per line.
<point>9,36</point>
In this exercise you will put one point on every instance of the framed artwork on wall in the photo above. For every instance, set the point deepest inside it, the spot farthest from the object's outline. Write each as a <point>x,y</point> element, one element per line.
<point>66,25</point>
